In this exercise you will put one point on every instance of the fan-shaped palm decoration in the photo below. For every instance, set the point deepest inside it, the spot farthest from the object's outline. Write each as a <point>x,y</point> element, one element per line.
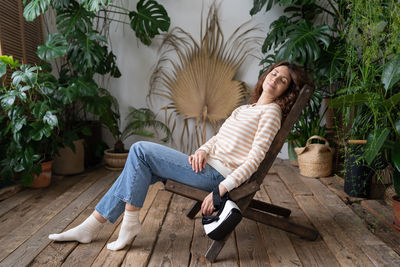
<point>198,84</point>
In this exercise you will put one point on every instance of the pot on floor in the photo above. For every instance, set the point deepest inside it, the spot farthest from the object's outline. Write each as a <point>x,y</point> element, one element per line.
<point>44,178</point>
<point>69,162</point>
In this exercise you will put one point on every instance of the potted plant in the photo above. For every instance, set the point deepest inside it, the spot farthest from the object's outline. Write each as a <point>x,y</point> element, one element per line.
<point>82,45</point>
<point>28,112</point>
<point>137,121</point>
<point>371,92</point>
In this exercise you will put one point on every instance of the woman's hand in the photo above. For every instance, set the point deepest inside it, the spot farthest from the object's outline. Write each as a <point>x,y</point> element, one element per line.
<point>207,207</point>
<point>198,160</point>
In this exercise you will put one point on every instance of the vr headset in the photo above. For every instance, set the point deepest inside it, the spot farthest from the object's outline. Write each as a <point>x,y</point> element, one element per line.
<point>218,226</point>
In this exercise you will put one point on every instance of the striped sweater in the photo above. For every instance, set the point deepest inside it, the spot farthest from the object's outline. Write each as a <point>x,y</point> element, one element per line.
<point>238,148</point>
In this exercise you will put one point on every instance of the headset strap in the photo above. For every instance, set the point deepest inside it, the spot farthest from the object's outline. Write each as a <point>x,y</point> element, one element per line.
<point>218,204</point>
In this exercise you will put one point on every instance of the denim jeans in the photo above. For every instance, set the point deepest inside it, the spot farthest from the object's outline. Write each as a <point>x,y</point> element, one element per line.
<point>148,163</point>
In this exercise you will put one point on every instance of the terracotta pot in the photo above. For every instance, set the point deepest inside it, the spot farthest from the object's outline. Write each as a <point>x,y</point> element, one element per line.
<point>114,161</point>
<point>396,212</point>
<point>68,162</point>
<point>44,178</point>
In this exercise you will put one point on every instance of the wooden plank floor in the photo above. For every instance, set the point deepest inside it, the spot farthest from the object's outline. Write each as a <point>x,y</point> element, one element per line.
<point>169,238</point>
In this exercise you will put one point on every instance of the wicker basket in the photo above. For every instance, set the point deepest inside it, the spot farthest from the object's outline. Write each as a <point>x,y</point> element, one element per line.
<point>315,160</point>
<point>115,161</point>
<point>389,194</point>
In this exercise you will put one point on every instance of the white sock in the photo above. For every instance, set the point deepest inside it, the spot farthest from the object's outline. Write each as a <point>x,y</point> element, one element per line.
<point>129,229</point>
<point>83,233</point>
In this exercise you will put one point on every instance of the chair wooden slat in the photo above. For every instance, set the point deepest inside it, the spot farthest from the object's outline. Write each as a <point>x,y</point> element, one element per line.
<point>244,194</point>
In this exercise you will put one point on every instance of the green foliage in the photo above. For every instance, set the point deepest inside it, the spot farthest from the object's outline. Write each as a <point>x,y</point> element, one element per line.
<point>138,121</point>
<point>55,46</point>
<point>391,72</point>
<point>317,45</point>
<point>303,42</point>
<point>34,8</point>
<point>309,124</point>
<point>28,120</point>
<point>396,165</point>
<point>149,18</point>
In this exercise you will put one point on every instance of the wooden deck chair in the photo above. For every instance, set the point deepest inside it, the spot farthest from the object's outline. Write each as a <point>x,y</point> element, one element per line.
<point>243,195</point>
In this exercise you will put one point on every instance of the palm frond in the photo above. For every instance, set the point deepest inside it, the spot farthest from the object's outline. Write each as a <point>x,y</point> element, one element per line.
<point>196,78</point>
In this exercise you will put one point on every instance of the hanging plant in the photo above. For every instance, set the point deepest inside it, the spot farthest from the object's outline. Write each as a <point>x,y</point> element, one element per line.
<point>197,78</point>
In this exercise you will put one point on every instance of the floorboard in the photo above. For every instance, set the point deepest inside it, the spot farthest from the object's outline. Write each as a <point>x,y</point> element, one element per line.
<point>353,232</point>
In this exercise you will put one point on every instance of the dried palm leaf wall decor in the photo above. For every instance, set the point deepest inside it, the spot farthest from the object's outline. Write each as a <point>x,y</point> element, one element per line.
<point>196,79</point>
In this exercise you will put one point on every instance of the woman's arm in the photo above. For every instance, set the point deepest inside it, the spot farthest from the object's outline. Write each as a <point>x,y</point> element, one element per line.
<point>267,128</point>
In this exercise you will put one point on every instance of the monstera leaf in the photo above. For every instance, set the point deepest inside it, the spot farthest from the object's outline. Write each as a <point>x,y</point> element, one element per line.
<point>277,34</point>
<point>87,51</point>
<point>148,20</point>
<point>54,46</point>
<point>94,5</point>
<point>303,42</point>
<point>74,18</point>
<point>259,4</point>
<point>35,8</point>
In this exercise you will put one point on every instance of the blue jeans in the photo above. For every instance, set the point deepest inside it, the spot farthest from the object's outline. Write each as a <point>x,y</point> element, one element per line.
<point>148,163</point>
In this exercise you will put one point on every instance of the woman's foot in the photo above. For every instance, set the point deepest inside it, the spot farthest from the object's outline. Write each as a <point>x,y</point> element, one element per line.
<point>129,229</point>
<point>83,233</point>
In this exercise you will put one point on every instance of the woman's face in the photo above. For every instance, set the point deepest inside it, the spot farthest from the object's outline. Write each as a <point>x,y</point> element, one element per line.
<point>277,81</point>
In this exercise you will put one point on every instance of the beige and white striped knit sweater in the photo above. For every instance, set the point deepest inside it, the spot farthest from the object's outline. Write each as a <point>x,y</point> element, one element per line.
<point>242,142</point>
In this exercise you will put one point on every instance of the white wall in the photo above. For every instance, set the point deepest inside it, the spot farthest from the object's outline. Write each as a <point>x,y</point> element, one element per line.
<point>136,61</point>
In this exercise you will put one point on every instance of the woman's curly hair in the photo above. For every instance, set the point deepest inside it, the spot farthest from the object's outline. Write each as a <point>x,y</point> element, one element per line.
<point>298,79</point>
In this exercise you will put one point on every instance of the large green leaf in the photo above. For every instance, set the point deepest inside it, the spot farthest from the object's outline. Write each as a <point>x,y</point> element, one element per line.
<point>393,101</point>
<point>39,109</point>
<point>391,72</point>
<point>148,20</point>
<point>397,126</point>
<point>86,51</point>
<point>50,119</point>
<point>396,164</point>
<point>54,46</point>
<point>9,60</point>
<point>259,4</point>
<point>3,68</point>
<point>375,142</point>
<point>277,33</point>
<point>349,100</point>
<point>34,8</point>
<point>94,5</point>
<point>27,74</point>
<point>8,99</point>
<point>304,42</point>
<point>74,18</point>
<point>58,4</point>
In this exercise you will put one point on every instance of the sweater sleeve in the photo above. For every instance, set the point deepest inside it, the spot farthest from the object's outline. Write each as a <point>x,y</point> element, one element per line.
<point>207,146</point>
<point>268,126</point>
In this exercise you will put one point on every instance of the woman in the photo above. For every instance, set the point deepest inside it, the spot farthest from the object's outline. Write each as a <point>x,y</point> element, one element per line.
<point>226,160</point>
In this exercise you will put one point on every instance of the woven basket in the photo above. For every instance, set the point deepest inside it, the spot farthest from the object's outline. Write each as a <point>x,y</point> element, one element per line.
<point>315,160</point>
<point>389,193</point>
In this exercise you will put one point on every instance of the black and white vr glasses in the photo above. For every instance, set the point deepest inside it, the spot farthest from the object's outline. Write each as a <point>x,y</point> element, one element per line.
<point>218,226</point>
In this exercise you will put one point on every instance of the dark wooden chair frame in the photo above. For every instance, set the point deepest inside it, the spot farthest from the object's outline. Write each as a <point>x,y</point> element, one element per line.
<point>243,195</point>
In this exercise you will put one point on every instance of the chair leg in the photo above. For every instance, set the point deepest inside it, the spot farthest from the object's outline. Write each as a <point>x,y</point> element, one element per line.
<point>214,250</point>
<point>194,209</point>
<point>281,223</point>
<point>270,208</point>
